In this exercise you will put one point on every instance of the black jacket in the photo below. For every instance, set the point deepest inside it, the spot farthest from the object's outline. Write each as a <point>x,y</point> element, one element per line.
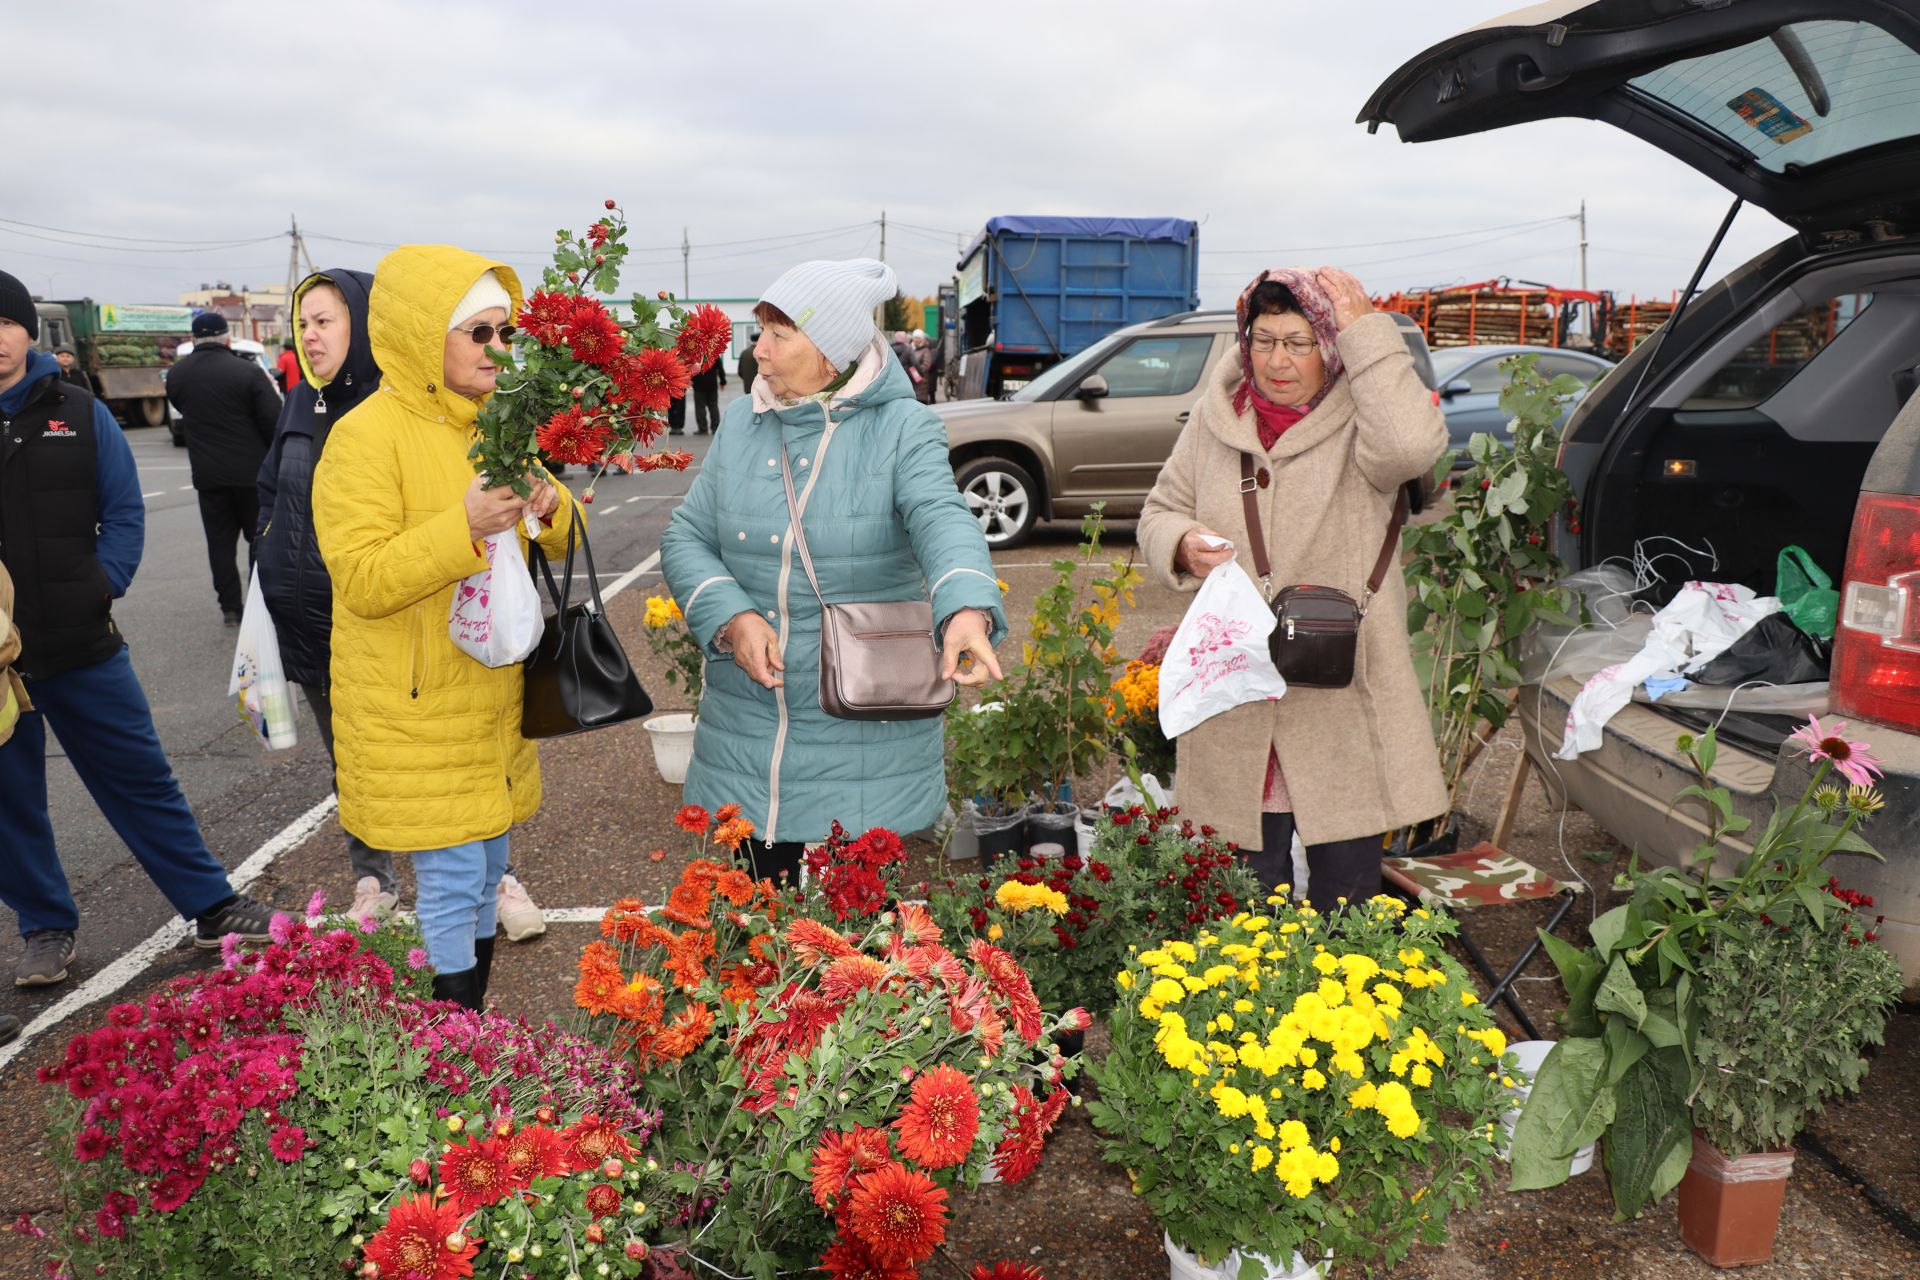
<point>227,410</point>
<point>293,578</point>
<point>709,381</point>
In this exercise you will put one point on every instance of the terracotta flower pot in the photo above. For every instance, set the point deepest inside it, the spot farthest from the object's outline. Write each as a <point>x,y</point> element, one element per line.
<point>1730,1206</point>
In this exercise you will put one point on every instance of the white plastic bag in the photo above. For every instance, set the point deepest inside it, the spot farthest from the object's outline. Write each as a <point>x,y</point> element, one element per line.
<point>1124,795</point>
<point>258,683</point>
<point>1218,658</point>
<point>496,617</point>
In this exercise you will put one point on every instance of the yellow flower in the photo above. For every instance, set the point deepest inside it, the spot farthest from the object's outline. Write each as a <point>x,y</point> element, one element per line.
<point>1311,1080</point>
<point>1325,1167</point>
<point>995,933</point>
<point>1333,1145</point>
<point>1229,1101</point>
<point>1225,1021</point>
<point>1167,991</point>
<point>1325,963</point>
<point>1412,957</point>
<point>1262,1157</point>
<point>1002,584</point>
<point>1293,1134</point>
<point>1403,1123</point>
<point>1183,950</point>
<point>1468,998</point>
<point>1361,1098</point>
<point>662,611</point>
<point>1422,1075</point>
<point>1125,979</point>
<point>1017,897</point>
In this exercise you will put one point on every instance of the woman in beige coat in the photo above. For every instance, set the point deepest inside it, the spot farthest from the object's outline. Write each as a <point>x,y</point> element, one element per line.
<point>1324,396</point>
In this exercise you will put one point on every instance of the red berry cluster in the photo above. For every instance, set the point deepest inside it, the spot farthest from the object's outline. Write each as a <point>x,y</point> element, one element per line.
<point>1854,900</point>
<point>1197,877</point>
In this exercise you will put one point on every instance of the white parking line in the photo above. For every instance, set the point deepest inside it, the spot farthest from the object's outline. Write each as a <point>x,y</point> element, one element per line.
<point>185,488</point>
<point>127,967</point>
<point>156,493</point>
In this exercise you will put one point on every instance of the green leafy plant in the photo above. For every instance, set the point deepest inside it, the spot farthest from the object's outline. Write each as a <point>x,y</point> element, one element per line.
<point>1478,574</point>
<point>668,636</point>
<point>1283,1082</point>
<point>1663,998</point>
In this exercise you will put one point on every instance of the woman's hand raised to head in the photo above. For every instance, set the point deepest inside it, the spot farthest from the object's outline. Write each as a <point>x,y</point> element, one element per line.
<point>491,511</point>
<point>1197,559</point>
<point>967,656</point>
<point>756,649</point>
<point>1348,295</point>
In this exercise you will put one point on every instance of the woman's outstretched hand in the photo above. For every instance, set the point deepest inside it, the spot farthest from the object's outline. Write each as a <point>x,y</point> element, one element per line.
<point>756,649</point>
<point>968,653</point>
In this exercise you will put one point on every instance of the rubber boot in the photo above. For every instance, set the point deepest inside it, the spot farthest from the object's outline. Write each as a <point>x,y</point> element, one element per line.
<point>483,962</point>
<point>463,988</point>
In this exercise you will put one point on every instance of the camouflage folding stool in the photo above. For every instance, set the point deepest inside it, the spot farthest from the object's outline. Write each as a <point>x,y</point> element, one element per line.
<point>1483,876</point>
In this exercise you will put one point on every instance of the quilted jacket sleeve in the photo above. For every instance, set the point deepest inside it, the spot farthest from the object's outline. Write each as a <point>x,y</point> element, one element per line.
<point>946,538</point>
<point>691,563</point>
<point>378,565</point>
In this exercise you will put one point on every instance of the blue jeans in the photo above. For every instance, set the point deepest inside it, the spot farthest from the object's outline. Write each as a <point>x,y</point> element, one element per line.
<point>454,894</point>
<point>101,716</point>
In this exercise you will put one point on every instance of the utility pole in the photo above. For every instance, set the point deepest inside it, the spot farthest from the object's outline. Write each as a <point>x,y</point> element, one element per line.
<point>1583,245</point>
<point>686,264</point>
<point>880,312</point>
<point>295,249</point>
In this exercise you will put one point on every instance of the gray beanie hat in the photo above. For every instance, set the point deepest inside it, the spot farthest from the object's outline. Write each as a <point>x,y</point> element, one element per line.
<point>832,303</point>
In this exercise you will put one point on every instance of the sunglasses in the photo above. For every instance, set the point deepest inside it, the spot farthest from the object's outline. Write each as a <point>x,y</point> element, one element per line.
<point>483,333</point>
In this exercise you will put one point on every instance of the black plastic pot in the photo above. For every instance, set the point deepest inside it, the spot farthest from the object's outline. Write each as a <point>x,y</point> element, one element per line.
<point>1052,824</point>
<point>1005,834</point>
<point>1432,839</point>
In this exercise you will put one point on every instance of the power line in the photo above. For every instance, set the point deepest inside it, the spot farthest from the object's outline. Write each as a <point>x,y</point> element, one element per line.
<point>1374,244</point>
<point>206,247</point>
<point>101,235</point>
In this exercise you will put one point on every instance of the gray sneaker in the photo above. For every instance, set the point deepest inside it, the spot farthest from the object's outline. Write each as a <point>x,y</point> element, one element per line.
<point>248,917</point>
<point>49,952</point>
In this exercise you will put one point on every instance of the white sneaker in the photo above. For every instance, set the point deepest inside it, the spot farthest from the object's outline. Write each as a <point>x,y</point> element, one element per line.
<point>369,900</point>
<point>519,915</point>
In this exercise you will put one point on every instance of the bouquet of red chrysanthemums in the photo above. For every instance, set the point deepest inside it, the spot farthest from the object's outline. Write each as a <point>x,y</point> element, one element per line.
<point>585,386</point>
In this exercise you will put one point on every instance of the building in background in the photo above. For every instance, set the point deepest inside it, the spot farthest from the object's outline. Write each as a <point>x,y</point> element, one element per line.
<point>259,314</point>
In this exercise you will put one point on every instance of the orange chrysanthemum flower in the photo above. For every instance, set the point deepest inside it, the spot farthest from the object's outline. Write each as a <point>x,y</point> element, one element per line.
<point>916,925</point>
<point>692,818</point>
<point>688,904</point>
<point>735,885</point>
<point>732,833</point>
<point>413,1242</point>
<point>1010,982</point>
<point>841,1158</point>
<point>476,1173</point>
<point>591,1139</point>
<point>686,958</point>
<point>941,1119</point>
<point>726,813</point>
<point>853,973</point>
<point>813,942</point>
<point>536,1152</point>
<point>899,1214</point>
<point>601,980</point>
<point>687,1032</point>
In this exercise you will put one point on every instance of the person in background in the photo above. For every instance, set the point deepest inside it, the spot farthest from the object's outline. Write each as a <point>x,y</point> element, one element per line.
<point>289,366</point>
<point>749,365</point>
<point>72,527</point>
<point>70,370</point>
<point>1323,401</point>
<point>13,701</point>
<point>706,397</point>
<point>876,497</point>
<point>228,407</point>
<point>428,744</point>
<point>923,369</point>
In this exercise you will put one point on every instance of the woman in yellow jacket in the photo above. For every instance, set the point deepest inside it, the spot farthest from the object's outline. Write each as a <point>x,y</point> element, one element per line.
<point>427,739</point>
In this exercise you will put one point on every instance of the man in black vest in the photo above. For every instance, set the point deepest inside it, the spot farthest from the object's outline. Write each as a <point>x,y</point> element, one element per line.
<point>72,525</point>
<point>227,407</point>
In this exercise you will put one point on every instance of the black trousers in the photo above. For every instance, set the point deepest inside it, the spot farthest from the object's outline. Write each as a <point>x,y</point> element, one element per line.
<point>777,862</point>
<point>706,408</point>
<point>228,514</point>
<point>1347,869</point>
<point>677,415</point>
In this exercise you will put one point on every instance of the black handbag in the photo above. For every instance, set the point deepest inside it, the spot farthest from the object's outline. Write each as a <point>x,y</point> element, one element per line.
<point>1316,630</point>
<point>579,678</point>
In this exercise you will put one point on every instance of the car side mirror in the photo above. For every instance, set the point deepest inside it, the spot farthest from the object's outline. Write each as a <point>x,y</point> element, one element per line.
<point>1458,387</point>
<point>1092,387</point>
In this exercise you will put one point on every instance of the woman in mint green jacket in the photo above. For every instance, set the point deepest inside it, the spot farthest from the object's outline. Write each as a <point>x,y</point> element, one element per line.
<point>883,520</point>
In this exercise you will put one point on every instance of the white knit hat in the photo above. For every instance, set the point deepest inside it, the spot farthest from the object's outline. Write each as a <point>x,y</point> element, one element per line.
<point>832,303</point>
<point>487,292</point>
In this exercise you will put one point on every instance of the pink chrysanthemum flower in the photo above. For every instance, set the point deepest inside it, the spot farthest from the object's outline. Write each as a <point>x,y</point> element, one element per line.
<point>1852,759</point>
<point>317,904</point>
<point>417,958</point>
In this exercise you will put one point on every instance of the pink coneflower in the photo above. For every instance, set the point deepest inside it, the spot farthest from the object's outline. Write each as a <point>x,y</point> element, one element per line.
<point>1854,761</point>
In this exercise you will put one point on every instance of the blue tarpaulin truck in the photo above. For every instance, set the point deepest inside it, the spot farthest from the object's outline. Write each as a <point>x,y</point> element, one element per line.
<point>1034,290</point>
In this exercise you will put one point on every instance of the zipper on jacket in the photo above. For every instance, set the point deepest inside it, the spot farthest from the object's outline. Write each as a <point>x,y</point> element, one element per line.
<point>786,574</point>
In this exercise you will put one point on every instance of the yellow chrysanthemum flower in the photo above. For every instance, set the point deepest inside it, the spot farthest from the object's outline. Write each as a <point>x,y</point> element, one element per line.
<point>662,611</point>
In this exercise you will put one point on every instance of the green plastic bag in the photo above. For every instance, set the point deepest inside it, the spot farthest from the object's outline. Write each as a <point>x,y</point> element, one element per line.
<point>1806,593</point>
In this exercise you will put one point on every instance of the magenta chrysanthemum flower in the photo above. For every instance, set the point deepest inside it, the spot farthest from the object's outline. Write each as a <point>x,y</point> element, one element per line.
<point>317,904</point>
<point>1854,761</point>
<point>287,1142</point>
<point>417,958</point>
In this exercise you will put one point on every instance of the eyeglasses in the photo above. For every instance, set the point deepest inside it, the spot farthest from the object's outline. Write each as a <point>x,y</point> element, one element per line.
<point>483,333</point>
<point>1298,348</point>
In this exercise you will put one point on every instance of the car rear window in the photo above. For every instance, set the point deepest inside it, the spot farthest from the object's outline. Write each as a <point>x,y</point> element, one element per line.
<point>1766,364</point>
<point>1810,92</point>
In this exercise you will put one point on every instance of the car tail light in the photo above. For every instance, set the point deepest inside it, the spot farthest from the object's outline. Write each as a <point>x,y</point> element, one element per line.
<point>1876,647</point>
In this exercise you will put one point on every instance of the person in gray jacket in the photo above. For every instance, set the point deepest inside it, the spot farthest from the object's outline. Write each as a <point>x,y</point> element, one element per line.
<point>884,521</point>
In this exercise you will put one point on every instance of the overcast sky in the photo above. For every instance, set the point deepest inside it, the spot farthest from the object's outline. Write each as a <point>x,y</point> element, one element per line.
<point>778,132</point>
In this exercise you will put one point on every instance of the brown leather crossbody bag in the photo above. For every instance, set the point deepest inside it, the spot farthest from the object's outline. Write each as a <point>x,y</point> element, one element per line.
<point>878,659</point>
<point>1316,629</point>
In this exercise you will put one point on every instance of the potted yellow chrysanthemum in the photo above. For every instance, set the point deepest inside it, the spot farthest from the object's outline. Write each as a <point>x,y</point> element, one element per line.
<point>1291,1092</point>
<point>668,637</point>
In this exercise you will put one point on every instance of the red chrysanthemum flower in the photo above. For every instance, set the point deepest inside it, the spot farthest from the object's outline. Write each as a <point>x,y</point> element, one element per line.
<point>603,1200</point>
<point>813,942</point>
<point>704,337</point>
<point>546,317</point>
<point>596,337</point>
<point>1026,1140</point>
<point>173,1190</point>
<point>572,436</point>
<point>536,1152</point>
<point>597,233</point>
<point>475,1173</point>
<point>1004,1270</point>
<point>941,1119</point>
<point>288,1143</point>
<point>649,380</point>
<point>848,1259</point>
<point>899,1214</point>
<point>1010,982</point>
<point>92,1143</point>
<point>413,1242</point>
<point>693,818</point>
<point>591,1140</point>
<point>916,924</point>
<point>841,1158</point>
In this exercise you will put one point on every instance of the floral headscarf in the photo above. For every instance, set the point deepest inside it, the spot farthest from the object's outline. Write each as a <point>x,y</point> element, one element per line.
<point>1318,308</point>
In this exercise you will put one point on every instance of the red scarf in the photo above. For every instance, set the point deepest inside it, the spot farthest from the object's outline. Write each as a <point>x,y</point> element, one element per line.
<point>1273,419</point>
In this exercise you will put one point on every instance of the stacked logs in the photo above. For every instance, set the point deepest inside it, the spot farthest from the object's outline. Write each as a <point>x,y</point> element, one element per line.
<point>1631,321</point>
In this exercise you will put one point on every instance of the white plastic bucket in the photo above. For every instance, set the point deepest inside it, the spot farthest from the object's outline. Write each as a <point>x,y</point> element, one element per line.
<point>672,744</point>
<point>1296,1268</point>
<point>1186,1266</point>
<point>1529,1055</point>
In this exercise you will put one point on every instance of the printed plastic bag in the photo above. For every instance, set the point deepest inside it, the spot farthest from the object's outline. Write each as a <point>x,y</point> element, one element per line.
<point>496,617</point>
<point>258,683</point>
<point>1806,593</point>
<point>1218,657</point>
